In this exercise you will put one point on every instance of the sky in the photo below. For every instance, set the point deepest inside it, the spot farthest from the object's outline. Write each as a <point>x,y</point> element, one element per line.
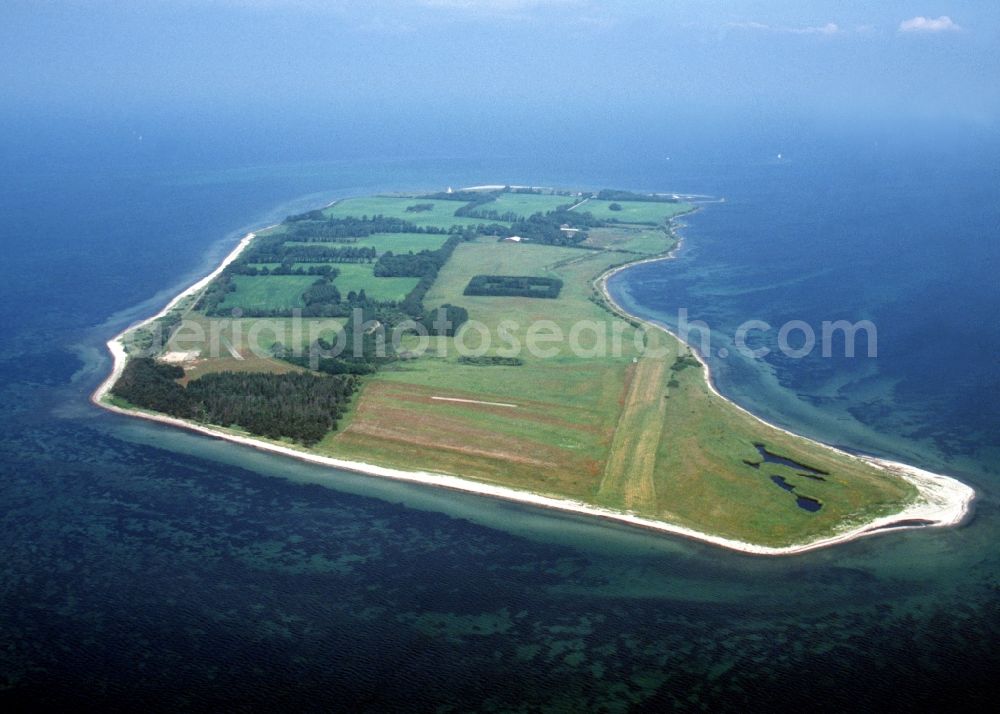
<point>520,62</point>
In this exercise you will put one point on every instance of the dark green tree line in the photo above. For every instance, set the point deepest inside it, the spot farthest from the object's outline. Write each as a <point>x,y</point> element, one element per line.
<point>297,405</point>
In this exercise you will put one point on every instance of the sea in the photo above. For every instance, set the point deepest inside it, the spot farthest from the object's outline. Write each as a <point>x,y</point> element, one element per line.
<point>154,569</point>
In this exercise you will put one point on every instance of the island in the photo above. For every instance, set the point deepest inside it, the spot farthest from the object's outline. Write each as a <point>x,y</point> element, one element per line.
<point>467,339</point>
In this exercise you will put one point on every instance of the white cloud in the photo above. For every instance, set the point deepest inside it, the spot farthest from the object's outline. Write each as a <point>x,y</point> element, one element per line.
<point>830,28</point>
<point>927,24</point>
<point>749,25</point>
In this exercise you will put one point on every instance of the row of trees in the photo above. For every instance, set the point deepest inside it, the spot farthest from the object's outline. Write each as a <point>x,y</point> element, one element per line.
<point>609,194</point>
<point>491,361</point>
<point>285,268</point>
<point>463,196</point>
<point>487,214</point>
<point>413,303</point>
<point>286,253</point>
<point>337,230</point>
<point>407,265</point>
<point>474,208</point>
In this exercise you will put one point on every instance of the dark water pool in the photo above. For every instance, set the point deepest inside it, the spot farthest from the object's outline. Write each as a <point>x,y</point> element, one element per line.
<point>771,458</point>
<point>806,503</point>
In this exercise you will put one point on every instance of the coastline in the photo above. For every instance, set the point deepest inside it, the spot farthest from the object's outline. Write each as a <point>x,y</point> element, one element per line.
<point>115,345</point>
<point>947,500</point>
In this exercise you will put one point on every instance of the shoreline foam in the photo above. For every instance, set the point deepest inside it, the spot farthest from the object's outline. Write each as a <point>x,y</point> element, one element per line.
<point>947,500</point>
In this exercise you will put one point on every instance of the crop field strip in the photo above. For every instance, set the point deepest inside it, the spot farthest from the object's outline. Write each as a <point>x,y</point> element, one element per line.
<point>628,474</point>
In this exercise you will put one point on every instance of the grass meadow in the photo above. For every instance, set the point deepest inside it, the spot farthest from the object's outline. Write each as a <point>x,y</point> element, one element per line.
<point>272,292</point>
<point>441,215</point>
<point>361,276</point>
<point>635,239</point>
<point>526,204</point>
<point>649,212</point>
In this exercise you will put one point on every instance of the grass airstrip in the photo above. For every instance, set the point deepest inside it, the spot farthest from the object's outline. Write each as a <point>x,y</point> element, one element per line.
<point>607,422</point>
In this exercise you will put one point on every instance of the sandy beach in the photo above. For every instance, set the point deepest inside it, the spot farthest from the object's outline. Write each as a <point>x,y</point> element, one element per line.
<point>945,501</point>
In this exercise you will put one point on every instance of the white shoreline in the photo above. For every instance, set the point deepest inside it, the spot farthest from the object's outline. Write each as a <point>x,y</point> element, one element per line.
<point>115,345</point>
<point>947,500</point>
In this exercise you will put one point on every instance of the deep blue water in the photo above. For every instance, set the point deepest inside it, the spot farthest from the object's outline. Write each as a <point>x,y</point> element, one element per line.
<point>165,569</point>
<point>900,236</point>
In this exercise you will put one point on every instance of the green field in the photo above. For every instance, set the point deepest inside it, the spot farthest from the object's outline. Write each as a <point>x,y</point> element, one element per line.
<point>276,291</point>
<point>636,239</point>
<point>248,335</point>
<point>526,204</point>
<point>651,212</point>
<point>489,257</point>
<point>359,276</point>
<point>273,292</point>
<point>588,414</point>
<point>441,216</point>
